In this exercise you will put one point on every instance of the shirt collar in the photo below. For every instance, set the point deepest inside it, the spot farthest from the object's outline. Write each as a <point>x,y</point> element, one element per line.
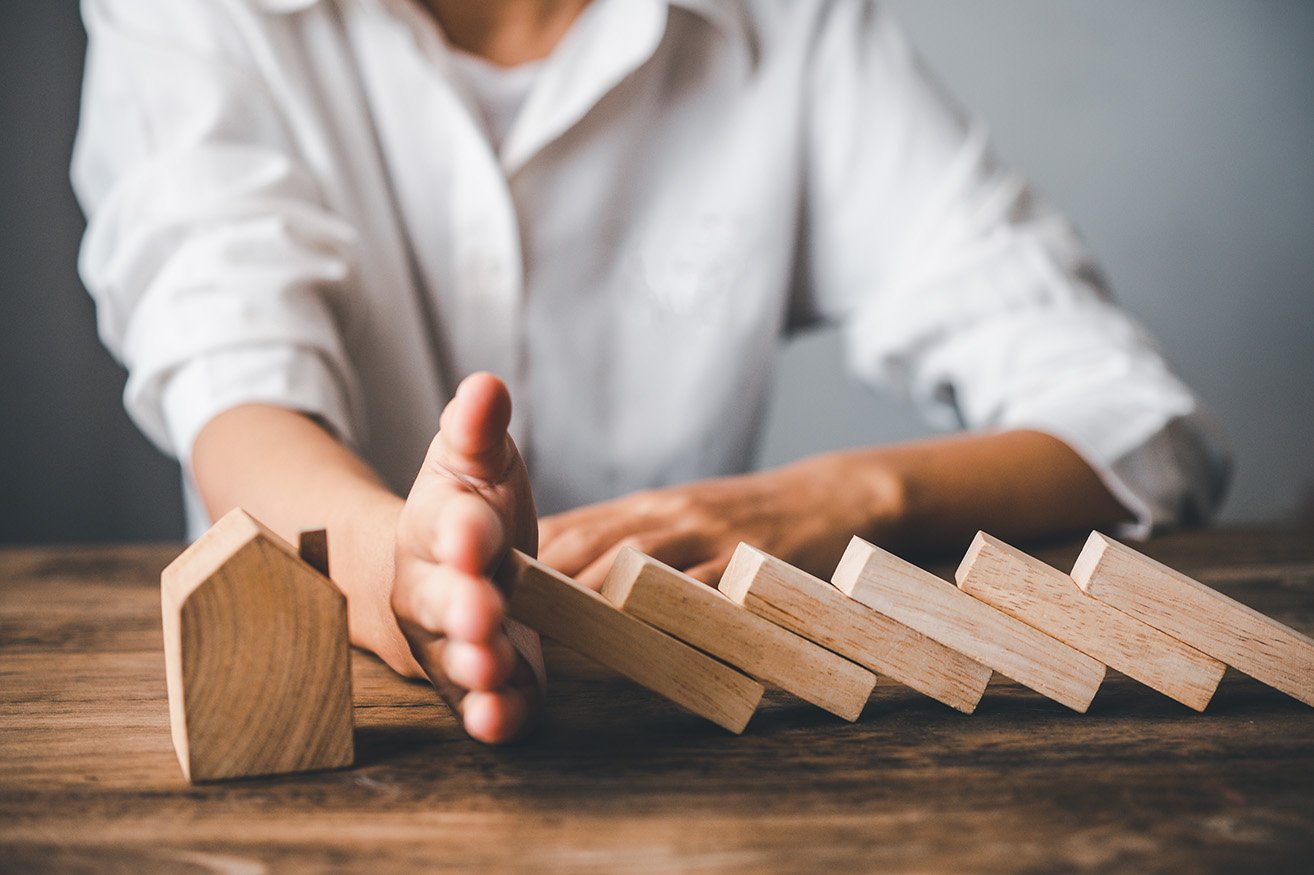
<point>606,61</point>
<point>277,7</point>
<point>729,16</point>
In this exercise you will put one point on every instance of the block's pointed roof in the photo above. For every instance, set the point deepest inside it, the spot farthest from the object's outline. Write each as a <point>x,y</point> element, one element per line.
<point>208,553</point>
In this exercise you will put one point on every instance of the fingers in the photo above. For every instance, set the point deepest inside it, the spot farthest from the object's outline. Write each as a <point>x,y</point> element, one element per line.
<point>498,717</point>
<point>468,534</point>
<point>472,438</point>
<point>447,522</point>
<point>470,502</point>
<point>453,603</point>
<point>473,453</point>
<point>572,541</point>
<point>506,714</point>
<point>491,712</point>
<point>678,549</point>
<point>709,572</point>
<point>450,613</point>
<point>452,622</point>
<point>663,519</point>
<point>549,529</point>
<point>484,666</point>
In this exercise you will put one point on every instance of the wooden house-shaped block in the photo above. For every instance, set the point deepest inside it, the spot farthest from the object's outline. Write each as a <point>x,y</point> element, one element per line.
<point>257,657</point>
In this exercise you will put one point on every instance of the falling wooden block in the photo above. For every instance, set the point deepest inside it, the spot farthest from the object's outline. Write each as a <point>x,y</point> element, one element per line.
<point>699,615</point>
<point>1197,615</point>
<point>1051,601</point>
<point>794,599</point>
<point>256,656</point>
<point>939,610</point>
<point>587,623</point>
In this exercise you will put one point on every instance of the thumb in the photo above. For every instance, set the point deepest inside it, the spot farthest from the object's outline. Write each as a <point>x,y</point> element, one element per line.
<point>472,437</point>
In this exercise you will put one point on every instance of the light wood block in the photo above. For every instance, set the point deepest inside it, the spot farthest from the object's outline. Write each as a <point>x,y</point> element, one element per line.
<point>939,610</point>
<point>812,608</point>
<point>587,623</point>
<point>256,657</point>
<point>699,615</point>
<point>1046,598</point>
<point>1197,615</point>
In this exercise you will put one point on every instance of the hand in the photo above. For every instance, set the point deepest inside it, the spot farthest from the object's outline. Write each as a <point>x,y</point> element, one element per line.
<point>471,502</point>
<point>804,513</point>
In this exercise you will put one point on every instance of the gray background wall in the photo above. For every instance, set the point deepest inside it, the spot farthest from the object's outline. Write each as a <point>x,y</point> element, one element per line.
<point>1178,134</point>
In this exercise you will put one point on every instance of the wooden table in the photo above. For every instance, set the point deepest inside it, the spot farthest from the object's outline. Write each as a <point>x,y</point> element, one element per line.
<point>620,780</point>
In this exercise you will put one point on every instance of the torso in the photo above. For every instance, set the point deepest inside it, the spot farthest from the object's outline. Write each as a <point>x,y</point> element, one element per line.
<point>619,224</point>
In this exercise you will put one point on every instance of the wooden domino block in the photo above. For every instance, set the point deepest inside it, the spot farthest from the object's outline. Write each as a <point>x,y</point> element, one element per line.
<point>256,656</point>
<point>939,610</point>
<point>587,623</point>
<point>1051,601</point>
<point>794,599</point>
<point>1198,616</point>
<point>699,615</point>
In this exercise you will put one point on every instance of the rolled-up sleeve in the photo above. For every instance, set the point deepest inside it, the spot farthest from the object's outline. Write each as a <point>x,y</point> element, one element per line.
<point>218,274</point>
<point>958,288</point>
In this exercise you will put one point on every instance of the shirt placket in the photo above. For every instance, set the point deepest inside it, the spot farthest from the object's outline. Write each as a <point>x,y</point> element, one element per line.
<point>486,314</point>
<point>484,308</point>
<point>482,303</point>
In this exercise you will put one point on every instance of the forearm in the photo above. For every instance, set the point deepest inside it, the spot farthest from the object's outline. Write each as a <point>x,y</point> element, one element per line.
<point>929,495</point>
<point>291,474</point>
<point>935,494</point>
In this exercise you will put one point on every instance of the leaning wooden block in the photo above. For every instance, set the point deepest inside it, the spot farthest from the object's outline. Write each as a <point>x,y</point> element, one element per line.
<point>1051,601</point>
<point>587,623</point>
<point>256,656</point>
<point>1197,615</point>
<point>939,610</point>
<point>699,615</point>
<point>794,599</point>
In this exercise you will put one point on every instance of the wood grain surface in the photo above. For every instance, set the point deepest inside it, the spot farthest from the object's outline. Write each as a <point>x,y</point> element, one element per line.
<point>619,779</point>
<point>922,601</point>
<point>1227,629</point>
<point>811,607</point>
<point>581,619</point>
<point>1048,599</point>
<point>701,616</point>
<point>256,657</point>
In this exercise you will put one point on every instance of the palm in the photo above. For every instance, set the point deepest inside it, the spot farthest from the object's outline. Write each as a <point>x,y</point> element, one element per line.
<point>470,503</point>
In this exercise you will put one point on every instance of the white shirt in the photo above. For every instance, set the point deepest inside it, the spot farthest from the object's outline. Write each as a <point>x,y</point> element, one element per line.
<point>496,92</point>
<point>295,202</point>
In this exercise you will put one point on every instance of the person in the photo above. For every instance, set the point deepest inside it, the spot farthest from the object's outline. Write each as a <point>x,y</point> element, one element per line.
<point>313,224</point>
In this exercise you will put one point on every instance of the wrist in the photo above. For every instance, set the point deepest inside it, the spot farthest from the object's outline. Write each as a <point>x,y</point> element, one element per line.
<point>862,493</point>
<point>364,556</point>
